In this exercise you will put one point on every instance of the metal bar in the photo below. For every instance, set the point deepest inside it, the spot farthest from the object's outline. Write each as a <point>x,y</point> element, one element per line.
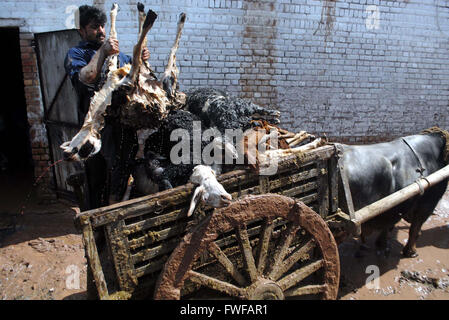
<point>384,204</point>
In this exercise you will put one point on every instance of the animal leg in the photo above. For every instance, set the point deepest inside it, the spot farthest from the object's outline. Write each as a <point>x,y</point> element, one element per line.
<point>170,78</point>
<point>425,207</point>
<point>269,115</point>
<point>366,232</point>
<point>142,17</point>
<point>409,250</point>
<point>383,243</point>
<point>137,51</point>
<point>87,142</point>
<point>363,245</point>
<point>112,60</point>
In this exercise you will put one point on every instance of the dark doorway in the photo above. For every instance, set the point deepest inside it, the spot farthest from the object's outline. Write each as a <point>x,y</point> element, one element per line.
<point>14,129</point>
<point>16,165</point>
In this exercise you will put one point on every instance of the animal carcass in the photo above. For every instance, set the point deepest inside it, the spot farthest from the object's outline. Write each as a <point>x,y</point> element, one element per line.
<point>132,93</point>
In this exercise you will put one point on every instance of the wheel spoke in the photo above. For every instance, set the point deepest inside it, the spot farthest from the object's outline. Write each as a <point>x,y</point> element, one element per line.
<point>264,241</point>
<point>295,277</point>
<point>290,261</point>
<point>312,289</point>
<point>286,238</point>
<point>215,250</point>
<point>245,247</point>
<point>215,284</point>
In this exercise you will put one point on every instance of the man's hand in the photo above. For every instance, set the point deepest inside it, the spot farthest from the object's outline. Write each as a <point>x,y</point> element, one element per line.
<point>110,46</point>
<point>145,54</point>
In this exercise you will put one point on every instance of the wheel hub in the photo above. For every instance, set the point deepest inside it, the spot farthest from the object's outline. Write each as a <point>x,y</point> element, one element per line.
<point>265,290</point>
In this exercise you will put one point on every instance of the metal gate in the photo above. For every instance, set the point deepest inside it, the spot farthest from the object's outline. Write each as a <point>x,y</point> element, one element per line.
<point>60,102</point>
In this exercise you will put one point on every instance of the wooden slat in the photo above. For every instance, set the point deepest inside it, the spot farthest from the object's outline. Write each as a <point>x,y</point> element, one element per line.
<point>155,221</point>
<point>246,192</point>
<point>182,194</point>
<point>181,213</point>
<point>167,247</point>
<point>300,189</point>
<point>173,202</point>
<point>292,179</point>
<point>333,184</point>
<point>164,248</point>
<point>323,188</point>
<point>307,158</point>
<point>155,236</point>
<point>94,260</point>
<point>126,276</point>
<point>136,207</point>
<point>152,266</point>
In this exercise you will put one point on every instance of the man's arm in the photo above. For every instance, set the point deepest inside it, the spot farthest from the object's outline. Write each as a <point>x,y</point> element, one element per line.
<point>90,72</point>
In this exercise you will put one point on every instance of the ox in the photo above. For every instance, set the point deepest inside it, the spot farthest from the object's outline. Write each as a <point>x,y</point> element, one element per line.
<point>378,170</point>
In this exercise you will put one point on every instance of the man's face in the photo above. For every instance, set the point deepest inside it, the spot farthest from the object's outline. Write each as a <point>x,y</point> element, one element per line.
<point>93,32</point>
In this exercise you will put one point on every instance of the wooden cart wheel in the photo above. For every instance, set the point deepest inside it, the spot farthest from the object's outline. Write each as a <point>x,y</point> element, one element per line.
<point>260,247</point>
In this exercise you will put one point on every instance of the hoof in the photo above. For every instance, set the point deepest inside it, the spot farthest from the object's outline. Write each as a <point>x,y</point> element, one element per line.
<point>86,150</point>
<point>409,254</point>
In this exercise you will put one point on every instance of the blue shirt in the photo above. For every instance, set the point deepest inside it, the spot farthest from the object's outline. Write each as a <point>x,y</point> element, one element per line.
<point>77,58</point>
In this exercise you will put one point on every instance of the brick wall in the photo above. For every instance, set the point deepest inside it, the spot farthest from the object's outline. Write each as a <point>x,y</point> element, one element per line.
<point>35,113</point>
<point>329,66</point>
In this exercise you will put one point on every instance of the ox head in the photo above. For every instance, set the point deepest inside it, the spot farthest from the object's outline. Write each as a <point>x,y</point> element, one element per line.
<point>210,191</point>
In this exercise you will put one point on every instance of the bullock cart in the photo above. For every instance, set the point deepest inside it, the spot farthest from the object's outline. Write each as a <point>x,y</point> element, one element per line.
<point>275,241</point>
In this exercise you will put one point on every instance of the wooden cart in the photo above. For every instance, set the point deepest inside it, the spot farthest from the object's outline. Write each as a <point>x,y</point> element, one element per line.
<point>275,241</point>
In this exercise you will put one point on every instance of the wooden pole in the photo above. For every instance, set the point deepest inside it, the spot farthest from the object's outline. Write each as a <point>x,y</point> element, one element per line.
<point>384,204</point>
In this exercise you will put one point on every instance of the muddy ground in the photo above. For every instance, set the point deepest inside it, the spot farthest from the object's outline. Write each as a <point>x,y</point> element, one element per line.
<point>43,259</point>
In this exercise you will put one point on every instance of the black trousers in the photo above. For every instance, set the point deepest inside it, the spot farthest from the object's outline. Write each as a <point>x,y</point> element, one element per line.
<point>108,171</point>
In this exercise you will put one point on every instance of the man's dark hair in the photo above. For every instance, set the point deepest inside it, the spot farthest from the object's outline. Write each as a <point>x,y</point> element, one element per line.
<point>88,14</point>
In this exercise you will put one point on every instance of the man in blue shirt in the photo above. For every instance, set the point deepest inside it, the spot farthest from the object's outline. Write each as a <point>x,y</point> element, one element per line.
<point>108,171</point>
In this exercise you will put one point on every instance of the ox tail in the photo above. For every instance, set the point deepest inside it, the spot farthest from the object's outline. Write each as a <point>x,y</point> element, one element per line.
<point>445,135</point>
